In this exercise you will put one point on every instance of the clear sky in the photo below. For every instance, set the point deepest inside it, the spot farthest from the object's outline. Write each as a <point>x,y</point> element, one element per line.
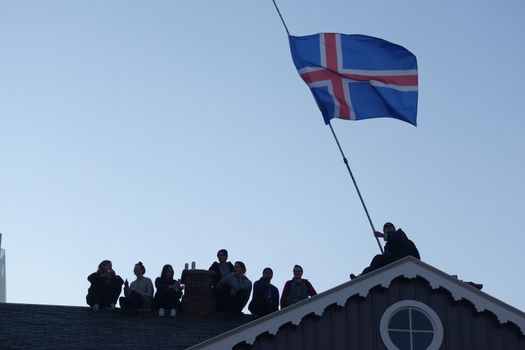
<point>162,131</point>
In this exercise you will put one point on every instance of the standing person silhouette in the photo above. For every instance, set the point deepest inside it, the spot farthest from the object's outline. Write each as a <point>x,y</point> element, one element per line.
<point>265,299</point>
<point>222,268</point>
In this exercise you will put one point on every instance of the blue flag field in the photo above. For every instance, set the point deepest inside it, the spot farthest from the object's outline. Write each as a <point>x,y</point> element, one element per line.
<point>357,77</point>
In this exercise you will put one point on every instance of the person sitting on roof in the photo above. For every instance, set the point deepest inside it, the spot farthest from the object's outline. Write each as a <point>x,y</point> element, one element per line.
<point>296,289</point>
<point>222,269</point>
<point>139,294</point>
<point>233,291</point>
<point>105,287</point>
<point>169,292</point>
<point>265,299</point>
<point>397,247</point>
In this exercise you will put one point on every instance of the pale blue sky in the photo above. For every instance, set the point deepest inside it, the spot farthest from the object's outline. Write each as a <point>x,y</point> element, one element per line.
<point>162,131</point>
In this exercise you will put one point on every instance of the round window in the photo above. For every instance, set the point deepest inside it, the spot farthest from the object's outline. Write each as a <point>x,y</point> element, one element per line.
<point>411,325</point>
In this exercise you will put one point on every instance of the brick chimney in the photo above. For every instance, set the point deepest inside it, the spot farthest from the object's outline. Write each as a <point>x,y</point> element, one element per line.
<point>198,296</point>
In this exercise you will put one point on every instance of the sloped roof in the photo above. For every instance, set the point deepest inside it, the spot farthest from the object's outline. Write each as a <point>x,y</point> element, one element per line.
<point>24,326</point>
<point>407,268</point>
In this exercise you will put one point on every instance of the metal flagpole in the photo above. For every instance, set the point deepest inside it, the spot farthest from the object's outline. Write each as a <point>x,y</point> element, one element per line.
<point>356,187</point>
<point>340,150</point>
<point>282,20</point>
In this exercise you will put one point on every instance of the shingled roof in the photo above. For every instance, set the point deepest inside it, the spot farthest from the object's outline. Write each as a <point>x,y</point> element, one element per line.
<point>24,326</point>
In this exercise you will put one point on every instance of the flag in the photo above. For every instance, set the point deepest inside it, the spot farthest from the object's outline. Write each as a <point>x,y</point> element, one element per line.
<point>357,76</point>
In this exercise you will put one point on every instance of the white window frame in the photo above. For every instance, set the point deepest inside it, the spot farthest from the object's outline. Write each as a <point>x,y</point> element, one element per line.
<point>431,314</point>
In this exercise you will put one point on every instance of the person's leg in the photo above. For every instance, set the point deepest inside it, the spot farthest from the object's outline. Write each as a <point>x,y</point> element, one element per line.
<point>131,303</point>
<point>161,300</point>
<point>105,297</point>
<point>124,303</point>
<point>136,299</point>
<point>114,292</point>
<point>229,303</point>
<point>93,300</point>
<point>221,298</point>
<point>95,296</point>
<point>239,301</point>
<point>377,262</point>
<point>172,299</point>
<point>157,303</point>
<point>90,299</point>
<point>172,302</point>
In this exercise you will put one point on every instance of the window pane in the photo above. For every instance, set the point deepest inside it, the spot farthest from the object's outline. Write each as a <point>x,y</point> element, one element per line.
<point>421,341</point>
<point>420,321</point>
<point>400,339</point>
<point>399,320</point>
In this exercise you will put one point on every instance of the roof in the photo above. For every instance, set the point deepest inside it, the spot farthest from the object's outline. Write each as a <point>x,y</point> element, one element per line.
<point>408,268</point>
<point>24,326</point>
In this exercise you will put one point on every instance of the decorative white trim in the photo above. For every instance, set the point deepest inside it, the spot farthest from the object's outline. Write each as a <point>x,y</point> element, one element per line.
<point>434,319</point>
<point>408,267</point>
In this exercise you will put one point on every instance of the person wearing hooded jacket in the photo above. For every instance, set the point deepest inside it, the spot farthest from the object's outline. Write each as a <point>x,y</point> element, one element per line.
<point>397,247</point>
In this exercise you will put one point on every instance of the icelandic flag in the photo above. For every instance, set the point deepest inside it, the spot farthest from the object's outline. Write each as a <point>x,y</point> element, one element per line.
<point>357,76</point>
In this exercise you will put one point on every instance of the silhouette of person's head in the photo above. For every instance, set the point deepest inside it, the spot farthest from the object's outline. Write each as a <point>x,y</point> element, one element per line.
<point>104,266</point>
<point>222,255</point>
<point>167,272</point>
<point>139,270</point>
<point>389,227</point>
<point>297,272</point>
<point>267,274</point>
<point>239,268</point>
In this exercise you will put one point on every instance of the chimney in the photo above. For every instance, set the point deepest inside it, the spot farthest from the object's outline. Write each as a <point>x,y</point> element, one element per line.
<point>198,296</point>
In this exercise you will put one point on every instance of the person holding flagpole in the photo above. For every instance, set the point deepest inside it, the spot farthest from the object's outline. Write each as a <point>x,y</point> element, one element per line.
<point>397,247</point>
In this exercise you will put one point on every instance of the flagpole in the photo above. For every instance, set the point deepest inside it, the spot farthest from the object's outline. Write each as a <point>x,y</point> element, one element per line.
<point>356,187</point>
<point>282,20</point>
<point>340,149</point>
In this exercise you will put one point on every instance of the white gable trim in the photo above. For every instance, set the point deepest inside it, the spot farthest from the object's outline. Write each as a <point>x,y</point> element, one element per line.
<point>408,267</point>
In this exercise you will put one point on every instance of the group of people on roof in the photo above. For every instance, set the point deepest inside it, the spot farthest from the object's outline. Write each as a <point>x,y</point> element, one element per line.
<point>231,287</point>
<point>106,287</point>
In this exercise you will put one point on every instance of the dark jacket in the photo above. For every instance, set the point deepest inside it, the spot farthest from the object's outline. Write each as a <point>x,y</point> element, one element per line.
<point>399,246</point>
<point>103,291</point>
<point>215,268</point>
<point>162,287</point>
<point>98,282</point>
<point>265,298</point>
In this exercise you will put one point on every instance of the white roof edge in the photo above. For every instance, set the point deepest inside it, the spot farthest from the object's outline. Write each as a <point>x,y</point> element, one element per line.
<point>408,267</point>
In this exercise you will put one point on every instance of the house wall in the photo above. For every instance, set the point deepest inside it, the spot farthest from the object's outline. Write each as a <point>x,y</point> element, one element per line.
<point>356,325</point>
<point>3,292</point>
